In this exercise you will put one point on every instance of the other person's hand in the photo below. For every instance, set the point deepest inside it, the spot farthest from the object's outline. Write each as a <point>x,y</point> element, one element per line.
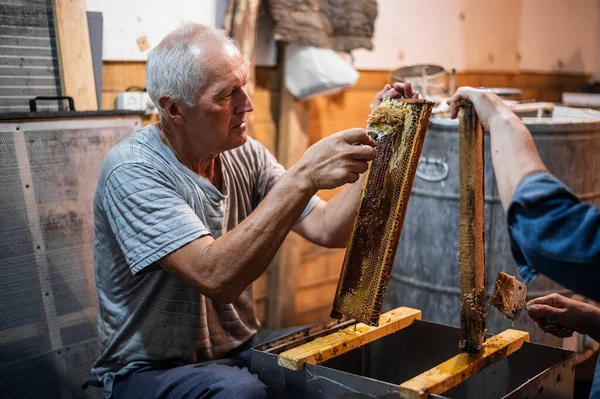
<point>337,159</point>
<point>397,90</point>
<point>488,105</point>
<point>554,310</point>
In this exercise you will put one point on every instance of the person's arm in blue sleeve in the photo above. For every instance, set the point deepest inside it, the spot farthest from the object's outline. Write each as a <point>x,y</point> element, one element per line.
<point>552,232</point>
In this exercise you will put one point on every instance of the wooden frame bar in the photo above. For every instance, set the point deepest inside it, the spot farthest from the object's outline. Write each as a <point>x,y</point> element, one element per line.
<point>340,342</point>
<point>471,234</point>
<point>459,368</point>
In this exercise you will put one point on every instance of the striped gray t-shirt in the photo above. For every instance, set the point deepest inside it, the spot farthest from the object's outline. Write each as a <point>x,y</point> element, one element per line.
<point>147,204</point>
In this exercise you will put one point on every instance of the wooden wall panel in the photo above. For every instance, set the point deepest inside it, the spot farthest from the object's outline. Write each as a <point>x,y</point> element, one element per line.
<point>319,270</point>
<point>315,296</point>
<point>118,76</point>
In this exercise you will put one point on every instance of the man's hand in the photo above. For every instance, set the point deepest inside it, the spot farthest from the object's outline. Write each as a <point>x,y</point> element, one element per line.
<point>575,315</point>
<point>397,90</point>
<point>514,155</point>
<point>337,159</point>
<point>487,105</point>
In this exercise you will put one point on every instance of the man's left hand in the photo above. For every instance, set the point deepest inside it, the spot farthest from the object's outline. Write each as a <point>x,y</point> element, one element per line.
<point>397,90</point>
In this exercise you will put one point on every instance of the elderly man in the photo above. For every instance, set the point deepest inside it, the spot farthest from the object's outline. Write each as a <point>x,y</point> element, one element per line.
<point>551,231</point>
<point>188,213</point>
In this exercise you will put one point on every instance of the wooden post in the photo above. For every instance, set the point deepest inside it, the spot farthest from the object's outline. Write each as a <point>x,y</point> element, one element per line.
<point>75,53</point>
<point>471,239</point>
<point>240,22</point>
<point>292,142</point>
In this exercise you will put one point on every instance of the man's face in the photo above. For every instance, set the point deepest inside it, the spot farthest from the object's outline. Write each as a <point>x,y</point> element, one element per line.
<point>218,121</point>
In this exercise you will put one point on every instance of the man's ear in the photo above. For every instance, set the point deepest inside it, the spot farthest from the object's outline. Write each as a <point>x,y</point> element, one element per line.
<point>172,109</point>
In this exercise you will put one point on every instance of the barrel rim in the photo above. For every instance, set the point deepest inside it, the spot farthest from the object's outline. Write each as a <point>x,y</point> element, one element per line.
<point>584,120</point>
<point>438,71</point>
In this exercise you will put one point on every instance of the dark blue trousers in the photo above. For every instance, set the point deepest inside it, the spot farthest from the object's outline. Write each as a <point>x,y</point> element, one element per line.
<point>191,382</point>
<point>224,378</point>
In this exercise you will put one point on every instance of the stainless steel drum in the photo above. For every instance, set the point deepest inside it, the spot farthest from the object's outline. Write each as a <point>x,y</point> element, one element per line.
<point>425,78</point>
<point>507,93</point>
<point>425,273</point>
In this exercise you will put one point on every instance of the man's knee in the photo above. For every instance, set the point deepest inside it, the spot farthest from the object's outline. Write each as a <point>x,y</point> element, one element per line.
<point>234,382</point>
<point>249,386</point>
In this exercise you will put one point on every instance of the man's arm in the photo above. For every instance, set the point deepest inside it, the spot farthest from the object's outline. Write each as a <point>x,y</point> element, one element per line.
<point>330,223</point>
<point>550,230</point>
<point>223,268</point>
<point>553,233</point>
<point>514,154</point>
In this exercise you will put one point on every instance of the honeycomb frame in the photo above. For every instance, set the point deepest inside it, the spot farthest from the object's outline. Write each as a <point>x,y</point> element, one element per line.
<point>370,253</point>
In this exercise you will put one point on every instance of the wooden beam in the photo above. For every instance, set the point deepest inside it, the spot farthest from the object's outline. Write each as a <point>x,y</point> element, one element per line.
<point>75,53</point>
<point>292,142</point>
<point>457,369</point>
<point>340,342</point>
<point>292,135</point>
<point>240,22</point>
<point>471,239</point>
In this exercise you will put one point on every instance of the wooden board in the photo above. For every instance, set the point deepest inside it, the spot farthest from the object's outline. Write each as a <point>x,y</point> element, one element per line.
<point>75,54</point>
<point>332,345</point>
<point>471,239</point>
<point>457,369</point>
<point>240,23</point>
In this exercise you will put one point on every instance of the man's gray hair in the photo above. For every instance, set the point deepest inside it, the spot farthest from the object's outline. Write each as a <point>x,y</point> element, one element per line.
<point>173,69</point>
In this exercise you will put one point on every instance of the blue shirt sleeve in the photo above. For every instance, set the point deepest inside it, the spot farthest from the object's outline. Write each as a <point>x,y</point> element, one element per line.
<point>552,232</point>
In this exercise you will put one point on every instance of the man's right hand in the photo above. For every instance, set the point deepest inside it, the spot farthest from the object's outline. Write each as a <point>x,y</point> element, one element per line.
<point>487,105</point>
<point>575,315</point>
<point>337,159</point>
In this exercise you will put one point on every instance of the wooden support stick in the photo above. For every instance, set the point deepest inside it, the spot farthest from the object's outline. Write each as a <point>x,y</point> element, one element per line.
<point>521,108</point>
<point>292,142</point>
<point>471,237</point>
<point>75,53</point>
<point>457,369</point>
<point>240,20</point>
<point>335,344</point>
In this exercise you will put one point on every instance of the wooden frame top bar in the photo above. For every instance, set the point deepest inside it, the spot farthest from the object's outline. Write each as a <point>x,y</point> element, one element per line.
<point>340,342</point>
<point>459,368</point>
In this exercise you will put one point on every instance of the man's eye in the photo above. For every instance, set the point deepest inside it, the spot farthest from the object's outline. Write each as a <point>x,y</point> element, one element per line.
<point>228,95</point>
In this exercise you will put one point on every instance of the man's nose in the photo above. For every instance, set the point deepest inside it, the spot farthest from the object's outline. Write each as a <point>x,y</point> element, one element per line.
<point>245,103</point>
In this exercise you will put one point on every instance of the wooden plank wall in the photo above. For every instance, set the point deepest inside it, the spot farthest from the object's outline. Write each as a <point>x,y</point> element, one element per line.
<point>317,278</point>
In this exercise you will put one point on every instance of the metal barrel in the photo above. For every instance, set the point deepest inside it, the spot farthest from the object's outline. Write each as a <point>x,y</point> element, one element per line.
<point>426,271</point>
<point>426,79</point>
